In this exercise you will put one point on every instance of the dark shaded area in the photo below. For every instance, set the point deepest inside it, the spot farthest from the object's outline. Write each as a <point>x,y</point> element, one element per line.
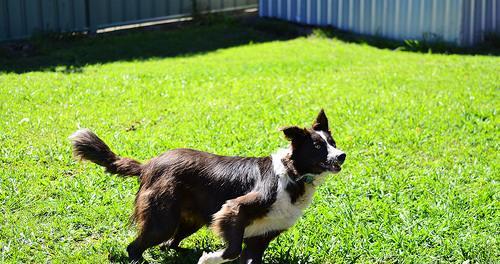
<point>70,52</point>
<point>429,44</point>
<point>183,256</point>
<point>189,256</point>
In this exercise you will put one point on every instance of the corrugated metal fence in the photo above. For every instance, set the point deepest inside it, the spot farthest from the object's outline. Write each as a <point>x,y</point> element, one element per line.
<point>464,22</point>
<point>21,18</point>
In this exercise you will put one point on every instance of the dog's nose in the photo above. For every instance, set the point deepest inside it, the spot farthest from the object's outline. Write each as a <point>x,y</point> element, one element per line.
<point>341,158</point>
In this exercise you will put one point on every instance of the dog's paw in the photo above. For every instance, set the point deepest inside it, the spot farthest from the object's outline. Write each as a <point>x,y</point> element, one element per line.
<point>204,258</point>
<point>211,258</point>
<point>169,245</point>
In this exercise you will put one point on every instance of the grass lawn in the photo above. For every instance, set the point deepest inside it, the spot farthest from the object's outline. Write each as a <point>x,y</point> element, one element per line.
<point>421,133</point>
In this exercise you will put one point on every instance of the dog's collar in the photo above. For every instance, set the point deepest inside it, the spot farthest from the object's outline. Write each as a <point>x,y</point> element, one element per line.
<point>294,174</point>
<point>308,178</point>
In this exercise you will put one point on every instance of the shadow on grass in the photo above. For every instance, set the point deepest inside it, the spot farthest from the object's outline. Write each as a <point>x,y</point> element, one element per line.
<point>183,256</point>
<point>69,53</point>
<point>429,44</point>
<point>189,256</point>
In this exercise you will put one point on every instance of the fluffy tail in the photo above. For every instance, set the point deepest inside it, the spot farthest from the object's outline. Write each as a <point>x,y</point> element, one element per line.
<point>87,146</point>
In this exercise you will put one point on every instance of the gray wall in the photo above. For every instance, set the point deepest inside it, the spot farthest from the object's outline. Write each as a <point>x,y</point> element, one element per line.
<point>464,22</point>
<point>21,18</point>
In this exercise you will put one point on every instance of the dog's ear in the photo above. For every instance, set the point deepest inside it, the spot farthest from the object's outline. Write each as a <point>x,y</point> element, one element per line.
<point>294,133</point>
<point>321,122</point>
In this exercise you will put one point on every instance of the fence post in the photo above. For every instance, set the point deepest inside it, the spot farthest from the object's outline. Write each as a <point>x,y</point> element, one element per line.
<point>193,7</point>
<point>5,32</point>
<point>195,12</point>
<point>90,17</point>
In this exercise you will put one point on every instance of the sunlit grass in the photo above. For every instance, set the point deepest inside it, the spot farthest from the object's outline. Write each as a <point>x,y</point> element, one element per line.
<point>420,183</point>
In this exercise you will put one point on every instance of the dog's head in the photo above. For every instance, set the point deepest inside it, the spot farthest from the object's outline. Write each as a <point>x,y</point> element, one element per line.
<point>313,149</point>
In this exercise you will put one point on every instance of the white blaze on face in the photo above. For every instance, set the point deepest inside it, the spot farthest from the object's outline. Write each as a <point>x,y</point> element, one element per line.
<point>333,152</point>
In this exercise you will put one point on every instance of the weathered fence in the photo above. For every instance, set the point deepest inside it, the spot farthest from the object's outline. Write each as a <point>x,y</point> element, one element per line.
<point>22,18</point>
<point>464,22</point>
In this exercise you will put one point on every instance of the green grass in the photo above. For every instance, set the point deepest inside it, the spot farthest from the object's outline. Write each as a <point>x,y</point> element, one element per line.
<point>420,184</point>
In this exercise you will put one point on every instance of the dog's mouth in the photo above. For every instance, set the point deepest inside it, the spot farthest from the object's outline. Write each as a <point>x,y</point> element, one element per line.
<point>331,166</point>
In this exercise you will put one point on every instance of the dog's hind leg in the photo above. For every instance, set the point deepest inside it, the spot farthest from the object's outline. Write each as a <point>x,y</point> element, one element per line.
<point>157,224</point>
<point>184,230</point>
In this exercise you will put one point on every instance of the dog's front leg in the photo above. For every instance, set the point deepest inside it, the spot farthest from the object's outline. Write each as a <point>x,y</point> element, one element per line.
<point>232,252</point>
<point>255,247</point>
<point>230,222</point>
<point>233,236</point>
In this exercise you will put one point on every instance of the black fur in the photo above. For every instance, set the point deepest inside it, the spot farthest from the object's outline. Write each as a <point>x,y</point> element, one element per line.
<point>88,146</point>
<point>183,189</point>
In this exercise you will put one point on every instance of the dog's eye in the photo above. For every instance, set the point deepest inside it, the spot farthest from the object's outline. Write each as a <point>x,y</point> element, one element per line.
<point>317,146</point>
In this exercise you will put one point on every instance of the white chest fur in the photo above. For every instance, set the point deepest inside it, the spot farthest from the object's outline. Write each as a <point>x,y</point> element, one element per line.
<point>283,213</point>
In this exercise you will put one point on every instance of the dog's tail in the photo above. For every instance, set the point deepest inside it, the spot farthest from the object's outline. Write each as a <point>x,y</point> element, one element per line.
<point>88,146</point>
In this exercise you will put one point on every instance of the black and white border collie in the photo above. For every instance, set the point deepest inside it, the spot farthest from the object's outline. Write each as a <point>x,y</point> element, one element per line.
<point>244,200</point>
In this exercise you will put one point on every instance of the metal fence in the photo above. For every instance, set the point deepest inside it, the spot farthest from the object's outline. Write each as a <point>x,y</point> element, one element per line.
<point>464,22</point>
<point>22,18</point>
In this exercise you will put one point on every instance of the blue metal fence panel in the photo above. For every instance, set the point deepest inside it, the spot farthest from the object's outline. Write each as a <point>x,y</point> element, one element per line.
<point>22,18</point>
<point>33,15</point>
<point>16,21</point>
<point>224,5</point>
<point>110,13</point>
<point>4,20</point>
<point>464,22</point>
<point>479,18</point>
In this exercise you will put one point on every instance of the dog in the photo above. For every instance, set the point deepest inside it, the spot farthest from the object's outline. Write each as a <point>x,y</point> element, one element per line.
<point>245,200</point>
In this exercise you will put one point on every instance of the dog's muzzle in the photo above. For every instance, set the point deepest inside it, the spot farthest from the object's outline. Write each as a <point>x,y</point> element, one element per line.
<point>334,164</point>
